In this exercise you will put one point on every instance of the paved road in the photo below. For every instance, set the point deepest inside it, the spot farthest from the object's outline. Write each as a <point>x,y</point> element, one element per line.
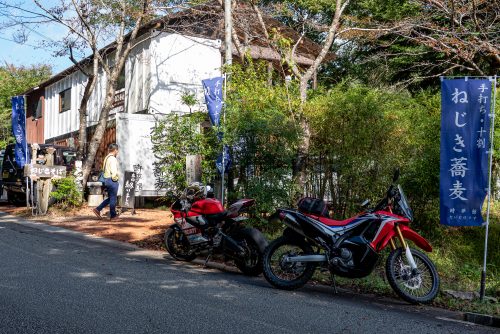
<point>52,282</point>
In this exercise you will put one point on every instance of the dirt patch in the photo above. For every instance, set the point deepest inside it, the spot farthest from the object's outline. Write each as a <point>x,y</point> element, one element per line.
<point>145,228</point>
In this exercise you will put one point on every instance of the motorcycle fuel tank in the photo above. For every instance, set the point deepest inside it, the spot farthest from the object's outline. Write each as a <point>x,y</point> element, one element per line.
<point>208,206</point>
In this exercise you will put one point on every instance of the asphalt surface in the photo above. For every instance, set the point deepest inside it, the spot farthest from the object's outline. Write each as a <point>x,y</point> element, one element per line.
<point>57,282</point>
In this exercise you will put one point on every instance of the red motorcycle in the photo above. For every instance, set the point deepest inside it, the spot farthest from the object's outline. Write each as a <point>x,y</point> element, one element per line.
<point>202,226</point>
<point>351,248</point>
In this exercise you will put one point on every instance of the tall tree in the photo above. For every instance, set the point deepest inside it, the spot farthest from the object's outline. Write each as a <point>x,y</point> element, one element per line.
<point>13,81</point>
<point>430,38</point>
<point>329,11</point>
<point>109,29</point>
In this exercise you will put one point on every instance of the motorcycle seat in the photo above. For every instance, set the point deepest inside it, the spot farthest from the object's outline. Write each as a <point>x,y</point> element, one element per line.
<point>333,222</point>
<point>217,217</point>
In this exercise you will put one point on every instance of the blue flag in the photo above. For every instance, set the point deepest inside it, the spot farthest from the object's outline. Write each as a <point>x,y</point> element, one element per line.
<point>19,131</point>
<point>227,160</point>
<point>213,98</point>
<point>465,144</point>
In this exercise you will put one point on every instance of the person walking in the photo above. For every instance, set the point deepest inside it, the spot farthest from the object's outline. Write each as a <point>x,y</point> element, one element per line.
<point>110,171</point>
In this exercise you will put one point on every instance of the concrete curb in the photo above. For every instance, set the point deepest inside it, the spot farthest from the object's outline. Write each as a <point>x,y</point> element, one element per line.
<point>482,319</point>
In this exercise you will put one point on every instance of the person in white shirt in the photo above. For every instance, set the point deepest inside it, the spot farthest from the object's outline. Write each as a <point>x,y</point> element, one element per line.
<point>111,177</point>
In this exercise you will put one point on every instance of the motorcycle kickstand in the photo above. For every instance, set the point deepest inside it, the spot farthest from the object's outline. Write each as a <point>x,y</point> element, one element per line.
<point>209,256</point>
<point>334,283</point>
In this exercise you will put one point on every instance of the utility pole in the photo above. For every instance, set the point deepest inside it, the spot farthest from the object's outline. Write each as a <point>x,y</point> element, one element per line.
<point>228,27</point>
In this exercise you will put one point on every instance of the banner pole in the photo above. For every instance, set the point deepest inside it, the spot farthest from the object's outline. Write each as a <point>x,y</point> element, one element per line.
<point>492,137</point>
<point>28,191</point>
<point>223,151</point>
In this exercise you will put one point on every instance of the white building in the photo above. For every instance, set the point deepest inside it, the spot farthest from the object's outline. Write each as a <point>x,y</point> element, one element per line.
<point>171,58</point>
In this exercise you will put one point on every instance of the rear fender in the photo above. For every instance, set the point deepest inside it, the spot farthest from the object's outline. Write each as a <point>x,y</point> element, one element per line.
<point>409,234</point>
<point>256,235</point>
<point>239,206</point>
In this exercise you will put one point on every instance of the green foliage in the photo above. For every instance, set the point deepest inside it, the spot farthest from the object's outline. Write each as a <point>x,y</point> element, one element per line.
<point>13,81</point>
<point>189,99</point>
<point>359,134</point>
<point>66,193</point>
<point>261,128</point>
<point>384,10</point>
<point>176,136</point>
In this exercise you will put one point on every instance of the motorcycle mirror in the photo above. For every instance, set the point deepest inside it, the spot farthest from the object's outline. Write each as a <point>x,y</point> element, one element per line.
<point>395,178</point>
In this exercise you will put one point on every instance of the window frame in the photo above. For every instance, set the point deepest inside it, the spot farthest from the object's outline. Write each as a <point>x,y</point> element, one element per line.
<point>121,81</point>
<point>61,97</point>
<point>38,111</point>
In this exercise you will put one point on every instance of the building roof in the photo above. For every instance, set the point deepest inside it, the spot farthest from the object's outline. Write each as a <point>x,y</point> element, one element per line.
<point>207,21</point>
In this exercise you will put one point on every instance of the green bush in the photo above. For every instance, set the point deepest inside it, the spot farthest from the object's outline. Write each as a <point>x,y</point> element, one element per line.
<point>176,136</point>
<point>262,129</point>
<point>66,193</point>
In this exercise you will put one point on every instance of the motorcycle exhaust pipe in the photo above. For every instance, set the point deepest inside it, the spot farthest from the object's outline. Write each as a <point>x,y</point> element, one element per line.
<point>232,246</point>
<point>306,258</point>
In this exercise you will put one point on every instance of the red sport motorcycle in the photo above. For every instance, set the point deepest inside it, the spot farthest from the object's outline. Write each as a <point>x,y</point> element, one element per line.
<point>202,226</point>
<point>351,248</point>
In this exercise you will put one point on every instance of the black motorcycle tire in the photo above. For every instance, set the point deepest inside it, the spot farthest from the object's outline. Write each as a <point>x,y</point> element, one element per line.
<point>169,244</point>
<point>391,276</point>
<point>281,283</point>
<point>256,250</point>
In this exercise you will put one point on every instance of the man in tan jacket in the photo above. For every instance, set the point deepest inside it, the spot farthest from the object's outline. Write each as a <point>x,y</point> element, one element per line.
<point>110,169</point>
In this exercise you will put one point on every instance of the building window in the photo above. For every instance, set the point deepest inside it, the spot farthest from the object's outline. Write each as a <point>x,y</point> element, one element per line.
<point>65,100</point>
<point>120,84</point>
<point>38,109</point>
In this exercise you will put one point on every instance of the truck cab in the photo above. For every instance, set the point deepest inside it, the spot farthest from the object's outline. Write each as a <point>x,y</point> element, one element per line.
<point>13,180</point>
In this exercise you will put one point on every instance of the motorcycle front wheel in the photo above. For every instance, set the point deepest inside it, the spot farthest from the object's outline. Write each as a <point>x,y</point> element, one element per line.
<point>177,245</point>
<point>283,275</point>
<point>418,286</point>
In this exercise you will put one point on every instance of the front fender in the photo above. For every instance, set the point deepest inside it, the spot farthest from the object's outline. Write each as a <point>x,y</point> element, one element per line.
<point>420,241</point>
<point>409,234</point>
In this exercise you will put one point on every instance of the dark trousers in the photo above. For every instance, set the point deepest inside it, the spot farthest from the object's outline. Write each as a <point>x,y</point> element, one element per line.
<point>112,188</point>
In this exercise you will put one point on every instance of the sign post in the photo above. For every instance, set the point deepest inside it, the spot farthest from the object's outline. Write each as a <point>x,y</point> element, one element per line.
<point>193,168</point>
<point>129,187</point>
<point>466,152</point>
<point>492,136</point>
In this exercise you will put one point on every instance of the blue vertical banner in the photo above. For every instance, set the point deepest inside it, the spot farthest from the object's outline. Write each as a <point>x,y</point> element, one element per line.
<point>227,160</point>
<point>19,131</point>
<point>214,98</point>
<point>465,144</point>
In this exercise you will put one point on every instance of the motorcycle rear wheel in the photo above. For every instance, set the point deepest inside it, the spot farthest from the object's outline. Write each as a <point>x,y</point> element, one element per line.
<point>287,276</point>
<point>251,264</point>
<point>420,288</point>
<point>177,245</point>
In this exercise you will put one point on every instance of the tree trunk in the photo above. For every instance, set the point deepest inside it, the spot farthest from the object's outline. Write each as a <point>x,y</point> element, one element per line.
<point>300,163</point>
<point>82,131</point>
<point>96,140</point>
<point>121,55</point>
<point>89,88</point>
